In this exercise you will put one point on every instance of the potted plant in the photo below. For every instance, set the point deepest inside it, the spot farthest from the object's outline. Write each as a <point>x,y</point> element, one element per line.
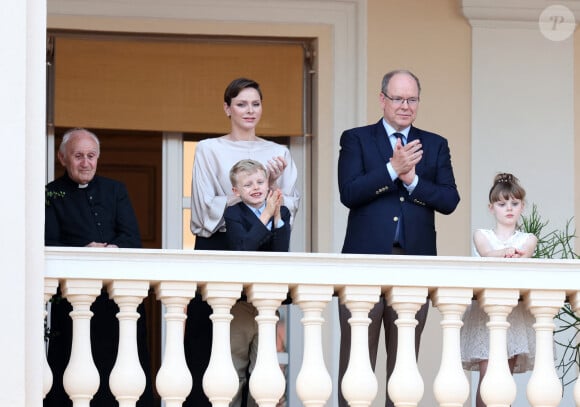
<point>559,244</point>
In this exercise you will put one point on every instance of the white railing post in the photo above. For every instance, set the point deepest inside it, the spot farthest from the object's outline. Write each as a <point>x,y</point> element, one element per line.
<point>575,303</point>
<point>406,385</point>
<point>50,286</point>
<point>127,379</point>
<point>174,380</point>
<point>451,386</point>
<point>220,380</point>
<point>359,383</point>
<point>267,381</point>
<point>498,388</point>
<point>313,384</point>
<point>81,377</point>
<point>544,388</point>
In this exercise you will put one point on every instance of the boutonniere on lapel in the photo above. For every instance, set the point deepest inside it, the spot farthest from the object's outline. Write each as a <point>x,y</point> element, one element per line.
<point>50,195</point>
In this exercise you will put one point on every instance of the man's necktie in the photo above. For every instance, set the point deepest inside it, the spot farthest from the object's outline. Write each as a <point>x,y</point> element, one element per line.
<point>401,137</point>
<point>399,235</point>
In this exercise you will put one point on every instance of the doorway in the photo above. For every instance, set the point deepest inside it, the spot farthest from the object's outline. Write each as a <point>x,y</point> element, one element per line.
<point>139,143</point>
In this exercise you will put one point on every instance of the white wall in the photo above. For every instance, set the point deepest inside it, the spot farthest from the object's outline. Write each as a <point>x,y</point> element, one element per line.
<point>523,119</point>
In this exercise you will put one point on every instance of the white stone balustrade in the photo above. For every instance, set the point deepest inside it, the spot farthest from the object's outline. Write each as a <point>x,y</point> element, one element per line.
<point>267,381</point>
<point>544,388</point>
<point>359,384</point>
<point>50,286</point>
<point>174,380</point>
<point>406,384</point>
<point>220,380</point>
<point>312,299</point>
<point>81,377</point>
<point>575,303</point>
<point>127,378</point>
<point>498,388</point>
<point>312,279</point>
<point>451,386</point>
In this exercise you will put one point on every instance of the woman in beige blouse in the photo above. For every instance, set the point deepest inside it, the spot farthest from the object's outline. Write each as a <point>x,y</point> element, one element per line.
<point>211,189</point>
<point>211,193</point>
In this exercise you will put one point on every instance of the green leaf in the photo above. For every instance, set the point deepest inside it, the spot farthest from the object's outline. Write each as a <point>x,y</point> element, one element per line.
<point>559,244</point>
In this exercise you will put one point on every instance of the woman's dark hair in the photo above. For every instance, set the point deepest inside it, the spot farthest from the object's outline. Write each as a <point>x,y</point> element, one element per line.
<point>237,85</point>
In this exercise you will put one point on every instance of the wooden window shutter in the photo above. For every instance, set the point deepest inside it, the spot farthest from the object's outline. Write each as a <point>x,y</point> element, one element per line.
<point>173,85</point>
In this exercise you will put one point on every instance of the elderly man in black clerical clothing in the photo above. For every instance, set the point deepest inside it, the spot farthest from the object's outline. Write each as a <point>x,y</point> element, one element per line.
<point>83,209</point>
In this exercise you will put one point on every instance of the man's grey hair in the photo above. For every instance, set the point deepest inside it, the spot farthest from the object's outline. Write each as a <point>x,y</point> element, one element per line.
<point>77,130</point>
<point>389,75</point>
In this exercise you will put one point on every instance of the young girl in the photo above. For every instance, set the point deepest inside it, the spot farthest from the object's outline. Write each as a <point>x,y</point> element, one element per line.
<point>506,204</point>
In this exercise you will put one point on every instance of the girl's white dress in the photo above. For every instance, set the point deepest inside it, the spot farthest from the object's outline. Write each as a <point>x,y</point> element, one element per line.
<point>521,340</point>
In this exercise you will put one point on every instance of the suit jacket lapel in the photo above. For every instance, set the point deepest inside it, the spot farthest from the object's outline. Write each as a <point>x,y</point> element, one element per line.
<point>382,140</point>
<point>413,134</point>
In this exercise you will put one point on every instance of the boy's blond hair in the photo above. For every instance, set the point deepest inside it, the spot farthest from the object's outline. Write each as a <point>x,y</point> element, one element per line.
<point>248,166</point>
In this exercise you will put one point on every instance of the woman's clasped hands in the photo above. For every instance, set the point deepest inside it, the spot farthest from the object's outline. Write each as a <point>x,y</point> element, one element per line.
<point>276,167</point>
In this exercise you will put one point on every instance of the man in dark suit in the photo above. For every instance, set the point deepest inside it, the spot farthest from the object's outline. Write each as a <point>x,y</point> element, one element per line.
<point>393,177</point>
<point>86,210</point>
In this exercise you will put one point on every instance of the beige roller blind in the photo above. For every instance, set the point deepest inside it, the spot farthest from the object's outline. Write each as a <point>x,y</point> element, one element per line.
<point>173,85</point>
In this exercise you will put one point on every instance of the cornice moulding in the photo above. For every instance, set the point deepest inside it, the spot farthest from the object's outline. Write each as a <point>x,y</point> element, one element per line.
<point>517,11</point>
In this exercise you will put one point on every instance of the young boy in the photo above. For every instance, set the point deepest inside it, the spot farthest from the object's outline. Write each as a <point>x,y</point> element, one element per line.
<point>259,223</point>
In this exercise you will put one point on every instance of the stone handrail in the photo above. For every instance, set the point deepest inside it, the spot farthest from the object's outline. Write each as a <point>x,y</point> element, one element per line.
<point>311,279</point>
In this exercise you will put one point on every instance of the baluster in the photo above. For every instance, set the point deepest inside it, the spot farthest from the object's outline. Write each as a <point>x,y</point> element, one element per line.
<point>267,381</point>
<point>174,380</point>
<point>575,303</point>
<point>127,379</point>
<point>451,387</point>
<point>406,385</point>
<point>220,380</point>
<point>50,286</point>
<point>544,388</point>
<point>359,383</point>
<point>81,377</point>
<point>498,388</point>
<point>313,384</point>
